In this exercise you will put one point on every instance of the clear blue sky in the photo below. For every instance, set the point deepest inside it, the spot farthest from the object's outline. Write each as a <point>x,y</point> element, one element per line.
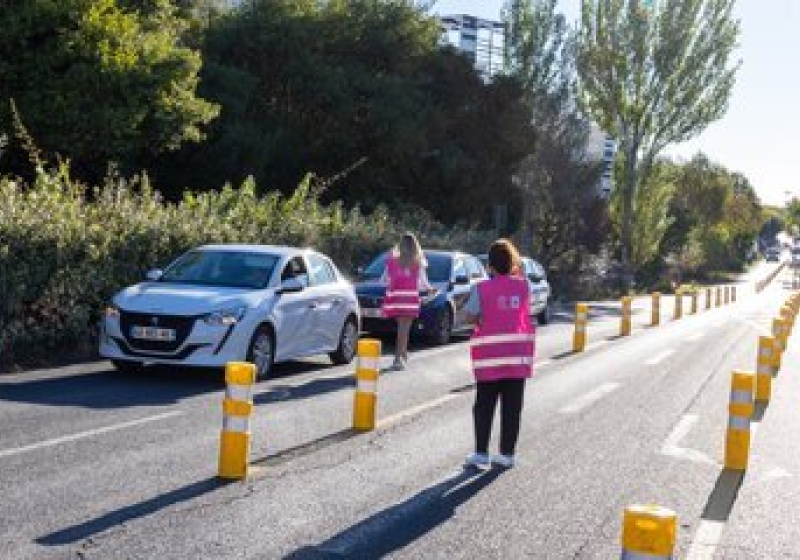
<point>759,134</point>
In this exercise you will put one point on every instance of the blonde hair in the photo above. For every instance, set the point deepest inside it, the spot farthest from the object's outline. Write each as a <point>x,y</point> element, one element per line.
<point>408,251</point>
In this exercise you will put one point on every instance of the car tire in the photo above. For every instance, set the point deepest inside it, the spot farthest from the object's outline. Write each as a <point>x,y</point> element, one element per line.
<point>544,315</point>
<point>444,328</point>
<point>127,368</point>
<point>261,351</point>
<point>348,341</point>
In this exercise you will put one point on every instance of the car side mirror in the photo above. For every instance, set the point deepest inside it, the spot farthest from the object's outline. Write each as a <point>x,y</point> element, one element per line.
<point>291,286</point>
<point>154,275</point>
<point>462,280</point>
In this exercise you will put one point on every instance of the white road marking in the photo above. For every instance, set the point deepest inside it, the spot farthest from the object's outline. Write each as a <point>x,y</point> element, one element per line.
<point>672,446</point>
<point>659,357</point>
<point>774,473</point>
<point>695,337</point>
<point>589,398</point>
<point>706,540</point>
<point>87,434</point>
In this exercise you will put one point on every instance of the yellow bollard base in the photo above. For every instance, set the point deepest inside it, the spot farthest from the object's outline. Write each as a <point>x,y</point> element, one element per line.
<point>234,451</point>
<point>737,449</point>
<point>364,406</point>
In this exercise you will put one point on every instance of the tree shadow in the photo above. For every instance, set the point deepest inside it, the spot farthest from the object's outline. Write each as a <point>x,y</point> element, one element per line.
<point>123,515</point>
<point>399,525</point>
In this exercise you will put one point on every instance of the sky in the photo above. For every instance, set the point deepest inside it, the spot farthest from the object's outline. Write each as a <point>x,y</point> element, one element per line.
<point>759,133</point>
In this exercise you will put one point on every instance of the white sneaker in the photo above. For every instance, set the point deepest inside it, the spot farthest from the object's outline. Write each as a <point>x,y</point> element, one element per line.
<point>505,461</point>
<point>480,460</point>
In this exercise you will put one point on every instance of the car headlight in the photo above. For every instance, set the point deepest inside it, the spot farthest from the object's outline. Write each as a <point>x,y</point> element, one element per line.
<point>430,296</point>
<point>225,317</point>
<point>111,311</point>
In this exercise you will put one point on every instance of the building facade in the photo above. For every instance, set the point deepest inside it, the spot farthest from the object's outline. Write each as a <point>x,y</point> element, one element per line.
<point>482,41</point>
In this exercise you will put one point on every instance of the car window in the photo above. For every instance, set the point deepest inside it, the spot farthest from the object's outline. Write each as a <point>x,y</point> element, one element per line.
<point>459,268</point>
<point>438,269</point>
<point>474,268</point>
<point>235,269</point>
<point>295,268</point>
<point>321,271</point>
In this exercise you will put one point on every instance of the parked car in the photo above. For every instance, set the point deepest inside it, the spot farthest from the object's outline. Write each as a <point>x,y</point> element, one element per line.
<point>773,254</point>
<point>442,314</point>
<point>222,303</point>
<point>538,285</point>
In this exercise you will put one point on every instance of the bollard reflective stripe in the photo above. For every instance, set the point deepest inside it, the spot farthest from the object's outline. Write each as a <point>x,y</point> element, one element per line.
<point>367,362</point>
<point>627,555</point>
<point>367,386</point>
<point>741,423</point>
<point>741,396</point>
<point>238,392</point>
<point>580,327</point>
<point>236,424</point>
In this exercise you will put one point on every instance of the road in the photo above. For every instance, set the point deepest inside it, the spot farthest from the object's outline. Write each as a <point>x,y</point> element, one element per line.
<point>94,464</point>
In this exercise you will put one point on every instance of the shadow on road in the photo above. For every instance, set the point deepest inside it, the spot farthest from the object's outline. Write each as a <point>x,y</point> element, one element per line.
<point>720,503</point>
<point>399,525</point>
<point>115,518</point>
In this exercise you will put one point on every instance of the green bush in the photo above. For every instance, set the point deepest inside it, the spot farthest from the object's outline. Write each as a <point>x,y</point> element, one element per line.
<point>65,249</point>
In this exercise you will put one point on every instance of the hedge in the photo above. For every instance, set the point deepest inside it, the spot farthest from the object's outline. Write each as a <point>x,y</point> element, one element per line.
<point>65,249</point>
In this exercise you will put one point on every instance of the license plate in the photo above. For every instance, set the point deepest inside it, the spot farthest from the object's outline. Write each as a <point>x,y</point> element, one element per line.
<point>376,313</point>
<point>153,333</point>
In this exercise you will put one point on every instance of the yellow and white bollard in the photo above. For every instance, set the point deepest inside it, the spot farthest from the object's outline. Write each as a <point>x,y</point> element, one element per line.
<point>234,449</point>
<point>694,302</point>
<point>780,330</point>
<point>655,309</point>
<point>366,395</point>
<point>718,300</point>
<point>625,320</point>
<point>708,298</point>
<point>765,368</point>
<point>733,294</point>
<point>727,295</point>
<point>648,532</point>
<point>737,439</point>
<point>678,313</point>
<point>581,317</point>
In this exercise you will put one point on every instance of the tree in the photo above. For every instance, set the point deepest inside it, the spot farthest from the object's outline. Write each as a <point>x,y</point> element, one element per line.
<point>653,75</point>
<point>94,82</point>
<point>558,182</point>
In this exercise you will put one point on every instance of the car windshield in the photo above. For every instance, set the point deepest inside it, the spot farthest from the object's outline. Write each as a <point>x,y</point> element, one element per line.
<point>438,267</point>
<point>233,269</point>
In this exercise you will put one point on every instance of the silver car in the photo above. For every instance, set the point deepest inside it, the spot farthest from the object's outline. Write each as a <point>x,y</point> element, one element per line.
<point>539,287</point>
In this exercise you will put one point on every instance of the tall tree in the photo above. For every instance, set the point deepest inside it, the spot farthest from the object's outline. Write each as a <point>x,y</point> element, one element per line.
<point>94,82</point>
<point>653,74</point>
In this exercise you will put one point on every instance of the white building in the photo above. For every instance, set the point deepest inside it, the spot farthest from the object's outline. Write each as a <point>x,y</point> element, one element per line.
<point>602,147</point>
<point>482,41</point>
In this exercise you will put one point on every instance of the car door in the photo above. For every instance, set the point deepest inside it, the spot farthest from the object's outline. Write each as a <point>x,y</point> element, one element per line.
<point>460,290</point>
<point>331,310</point>
<point>295,314</point>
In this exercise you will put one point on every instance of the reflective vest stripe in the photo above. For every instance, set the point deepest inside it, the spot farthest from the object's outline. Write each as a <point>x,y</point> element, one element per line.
<point>238,424</point>
<point>501,338</point>
<point>400,305</point>
<point>507,361</point>
<point>402,293</point>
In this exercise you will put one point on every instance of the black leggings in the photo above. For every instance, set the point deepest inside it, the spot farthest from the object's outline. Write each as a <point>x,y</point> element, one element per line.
<point>511,393</point>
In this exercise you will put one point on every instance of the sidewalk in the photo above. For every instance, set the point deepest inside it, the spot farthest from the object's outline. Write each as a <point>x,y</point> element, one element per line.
<point>765,521</point>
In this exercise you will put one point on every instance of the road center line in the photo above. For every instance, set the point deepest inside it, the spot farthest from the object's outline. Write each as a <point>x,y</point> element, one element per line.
<point>659,357</point>
<point>672,445</point>
<point>589,398</point>
<point>82,435</point>
<point>706,540</point>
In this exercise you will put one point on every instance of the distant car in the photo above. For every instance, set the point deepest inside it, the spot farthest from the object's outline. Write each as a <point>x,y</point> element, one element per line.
<point>222,303</point>
<point>452,273</point>
<point>772,254</point>
<point>539,288</point>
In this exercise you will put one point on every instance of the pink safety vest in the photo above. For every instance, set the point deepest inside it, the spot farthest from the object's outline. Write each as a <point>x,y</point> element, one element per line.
<point>502,346</point>
<point>402,293</point>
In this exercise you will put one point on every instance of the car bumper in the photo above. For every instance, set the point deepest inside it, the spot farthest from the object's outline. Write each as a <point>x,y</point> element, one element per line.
<point>205,346</point>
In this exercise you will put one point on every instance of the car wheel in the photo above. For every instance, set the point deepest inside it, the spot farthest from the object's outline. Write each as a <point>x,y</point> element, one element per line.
<point>444,328</point>
<point>262,351</point>
<point>126,367</point>
<point>348,340</point>
<point>544,315</point>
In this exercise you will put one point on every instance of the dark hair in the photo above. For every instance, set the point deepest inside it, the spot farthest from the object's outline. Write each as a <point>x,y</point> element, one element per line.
<point>503,257</point>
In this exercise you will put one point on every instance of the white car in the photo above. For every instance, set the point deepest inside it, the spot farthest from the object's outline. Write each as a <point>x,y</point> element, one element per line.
<point>222,303</point>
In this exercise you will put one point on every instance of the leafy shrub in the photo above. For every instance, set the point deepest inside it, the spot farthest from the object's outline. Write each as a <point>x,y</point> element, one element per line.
<point>65,249</point>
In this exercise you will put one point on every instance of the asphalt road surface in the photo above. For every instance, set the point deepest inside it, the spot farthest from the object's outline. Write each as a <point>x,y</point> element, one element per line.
<point>94,464</point>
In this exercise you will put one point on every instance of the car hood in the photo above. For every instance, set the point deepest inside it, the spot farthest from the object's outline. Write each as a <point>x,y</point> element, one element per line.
<point>185,299</point>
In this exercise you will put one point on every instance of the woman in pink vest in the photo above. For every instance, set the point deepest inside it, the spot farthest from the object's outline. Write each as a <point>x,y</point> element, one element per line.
<point>502,350</point>
<point>404,277</point>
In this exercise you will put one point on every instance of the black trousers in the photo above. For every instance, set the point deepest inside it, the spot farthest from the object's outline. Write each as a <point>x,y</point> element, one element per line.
<point>510,392</point>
